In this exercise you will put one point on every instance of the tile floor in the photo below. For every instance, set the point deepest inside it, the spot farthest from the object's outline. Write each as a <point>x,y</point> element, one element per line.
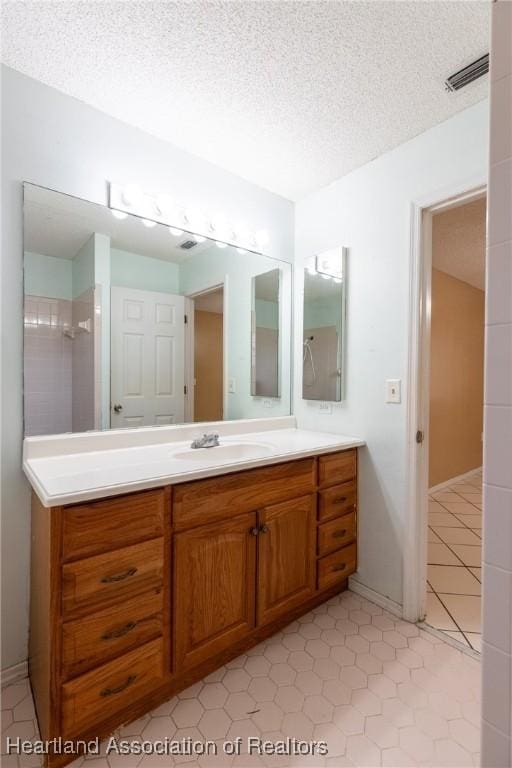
<point>377,690</point>
<point>455,559</point>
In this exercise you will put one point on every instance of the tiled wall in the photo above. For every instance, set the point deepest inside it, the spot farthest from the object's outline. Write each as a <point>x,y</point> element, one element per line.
<point>497,628</point>
<point>47,372</point>
<point>83,363</point>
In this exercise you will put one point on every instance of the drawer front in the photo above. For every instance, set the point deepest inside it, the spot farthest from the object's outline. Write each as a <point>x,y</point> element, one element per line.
<point>337,567</point>
<point>337,467</point>
<point>206,501</point>
<point>93,640</point>
<point>336,534</point>
<point>336,501</point>
<point>97,581</point>
<point>99,694</point>
<point>101,526</point>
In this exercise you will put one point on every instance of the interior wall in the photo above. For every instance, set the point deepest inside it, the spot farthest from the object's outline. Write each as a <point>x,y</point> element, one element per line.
<point>456,378</point>
<point>208,366</point>
<point>497,557</point>
<point>56,141</point>
<point>369,211</point>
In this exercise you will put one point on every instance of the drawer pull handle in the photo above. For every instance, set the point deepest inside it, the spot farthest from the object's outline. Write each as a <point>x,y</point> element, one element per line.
<point>264,528</point>
<point>339,500</point>
<point>120,688</point>
<point>254,531</point>
<point>340,567</point>
<point>119,576</point>
<point>115,633</point>
<point>339,534</point>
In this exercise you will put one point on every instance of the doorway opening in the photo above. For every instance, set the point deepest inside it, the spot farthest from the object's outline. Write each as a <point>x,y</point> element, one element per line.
<point>449,413</point>
<point>207,326</point>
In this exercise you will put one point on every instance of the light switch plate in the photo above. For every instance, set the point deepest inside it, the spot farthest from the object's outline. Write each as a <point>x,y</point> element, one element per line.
<point>232,386</point>
<point>393,391</point>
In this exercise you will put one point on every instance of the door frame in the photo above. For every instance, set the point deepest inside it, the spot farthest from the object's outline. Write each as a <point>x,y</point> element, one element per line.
<point>418,385</point>
<point>189,346</point>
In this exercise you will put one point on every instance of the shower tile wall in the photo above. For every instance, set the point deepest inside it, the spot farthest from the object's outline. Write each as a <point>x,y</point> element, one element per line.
<point>83,411</point>
<point>48,366</point>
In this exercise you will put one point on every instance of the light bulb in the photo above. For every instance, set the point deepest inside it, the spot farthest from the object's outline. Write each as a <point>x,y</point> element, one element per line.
<point>337,280</point>
<point>220,244</point>
<point>148,223</point>
<point>131,195</point>
<point>119,214</point>
<point>175,232</point>
<point>199,238</point>
<point>241,250</point>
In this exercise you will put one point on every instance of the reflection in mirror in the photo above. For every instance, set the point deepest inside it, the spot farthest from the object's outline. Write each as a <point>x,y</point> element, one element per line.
<point>324,326</point>
<point>130,323</point>
<point>265,334</point>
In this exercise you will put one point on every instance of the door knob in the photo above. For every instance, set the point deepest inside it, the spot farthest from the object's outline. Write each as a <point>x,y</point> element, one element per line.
<point>118,407</point>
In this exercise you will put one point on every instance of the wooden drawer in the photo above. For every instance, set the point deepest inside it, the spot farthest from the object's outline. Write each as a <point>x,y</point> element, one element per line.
<point>336,533</point>
<point>337,467</point>
<point>337,567</point>
<point>93,640</point>
<point>336,501</point>
<point>101,526</point>
<point>97,581</point>
<point>206,501</point>
<point>97,695</point>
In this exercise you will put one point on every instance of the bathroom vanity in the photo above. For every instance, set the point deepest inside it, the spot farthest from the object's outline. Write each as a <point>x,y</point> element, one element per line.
<point>143,587</point>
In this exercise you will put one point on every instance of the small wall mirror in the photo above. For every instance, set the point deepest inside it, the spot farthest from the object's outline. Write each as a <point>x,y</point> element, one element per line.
<point>265,334</point>
<point>324,326</point>
<point>130,322</point>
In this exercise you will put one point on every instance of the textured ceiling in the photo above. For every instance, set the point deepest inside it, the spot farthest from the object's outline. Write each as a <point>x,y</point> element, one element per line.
<point>290,95</point>
<point>458,242</point>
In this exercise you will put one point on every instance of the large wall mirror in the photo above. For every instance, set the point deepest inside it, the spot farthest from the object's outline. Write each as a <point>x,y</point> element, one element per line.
<point>132,323</point>
<point>323,371</point>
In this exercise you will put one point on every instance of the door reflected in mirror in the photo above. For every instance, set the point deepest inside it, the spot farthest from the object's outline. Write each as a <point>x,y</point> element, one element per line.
<point>132,323</point>
<point>324,327</point>
<point>265,334</point>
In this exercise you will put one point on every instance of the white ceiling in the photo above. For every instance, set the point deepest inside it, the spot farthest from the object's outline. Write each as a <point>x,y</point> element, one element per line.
<point>290,95</point>
<point>458,242</point>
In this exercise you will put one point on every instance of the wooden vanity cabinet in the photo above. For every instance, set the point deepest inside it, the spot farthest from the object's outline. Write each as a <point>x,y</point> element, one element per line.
<point>136,597</point>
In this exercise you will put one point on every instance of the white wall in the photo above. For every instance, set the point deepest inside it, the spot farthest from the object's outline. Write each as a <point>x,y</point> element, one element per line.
<point>497,625</point>
<point>56,141</point>
<point>369,212</point>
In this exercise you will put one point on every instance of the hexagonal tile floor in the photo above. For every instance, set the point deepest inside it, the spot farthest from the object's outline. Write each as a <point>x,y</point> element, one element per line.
<point>376,690</point>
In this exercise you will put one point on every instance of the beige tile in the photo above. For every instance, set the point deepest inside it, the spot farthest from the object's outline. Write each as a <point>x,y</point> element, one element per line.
<point>436,519</point>
<point>477,572</point>
<point>443,496</point>
<point>432,535</point>
<point>465,610</point>
<point>473,498</point>
<point>437,615</point>
<point>457,535</point>
<point>460,507</point>
<point>453,580</point>
<point>457,636</point>
<point>471,521</point>
<point>462,488</point>
<point>470,555</point>
<point>475,640</point>
<point>440,554</point>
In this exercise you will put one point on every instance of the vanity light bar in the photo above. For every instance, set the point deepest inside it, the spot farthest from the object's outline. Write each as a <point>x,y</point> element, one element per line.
<point>129,199</point>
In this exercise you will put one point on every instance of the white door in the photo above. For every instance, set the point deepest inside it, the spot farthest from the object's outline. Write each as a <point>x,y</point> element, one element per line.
<point>147,358</point>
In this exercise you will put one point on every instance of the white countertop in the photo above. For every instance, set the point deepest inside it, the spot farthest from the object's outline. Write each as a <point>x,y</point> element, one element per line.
<point>70,468</point>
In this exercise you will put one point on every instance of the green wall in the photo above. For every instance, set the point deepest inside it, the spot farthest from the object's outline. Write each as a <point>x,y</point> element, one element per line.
<point>130,270</point>
<point>47,276</point>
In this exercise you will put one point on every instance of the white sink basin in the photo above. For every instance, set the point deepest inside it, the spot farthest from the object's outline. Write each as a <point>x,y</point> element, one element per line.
<point>226,452</point>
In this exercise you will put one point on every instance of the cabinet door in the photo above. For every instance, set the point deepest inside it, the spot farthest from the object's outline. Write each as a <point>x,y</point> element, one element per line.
<point>286,557</point>
<point>214,588</point>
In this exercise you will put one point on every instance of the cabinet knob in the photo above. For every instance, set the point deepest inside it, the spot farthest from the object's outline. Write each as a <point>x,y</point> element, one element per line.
<point>339,534</point>
<point>340,567</point>
<point>120,688</point>
<point>113,634</point>
<point>119,576</point>
<point>339,500</point>
<point>264,528</point>
<point>254,531</point>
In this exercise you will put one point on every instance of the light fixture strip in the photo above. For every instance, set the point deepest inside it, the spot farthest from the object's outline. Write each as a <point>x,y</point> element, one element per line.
<point>129,199</point>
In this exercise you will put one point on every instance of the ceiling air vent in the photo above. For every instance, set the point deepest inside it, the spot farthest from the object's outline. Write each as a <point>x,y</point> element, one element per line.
<point>188,244</point>
<point>468,75</point>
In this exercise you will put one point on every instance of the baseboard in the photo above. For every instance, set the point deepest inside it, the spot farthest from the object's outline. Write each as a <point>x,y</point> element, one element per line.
<point>14,674</point>
<point>375,597</point>
<point>452,480</point>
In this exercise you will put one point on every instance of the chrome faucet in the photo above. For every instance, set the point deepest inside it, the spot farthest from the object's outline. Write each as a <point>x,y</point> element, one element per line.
<point>206,441</point>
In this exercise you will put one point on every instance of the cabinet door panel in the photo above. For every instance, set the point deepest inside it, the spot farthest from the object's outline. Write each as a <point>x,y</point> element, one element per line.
<point>286,557</point>
<point>214,588</point>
